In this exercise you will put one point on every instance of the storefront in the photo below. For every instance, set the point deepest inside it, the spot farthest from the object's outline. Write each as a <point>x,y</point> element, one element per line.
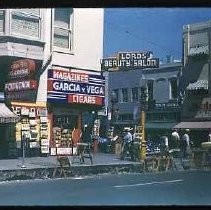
<point>21,90</point>
<point>69,95</point>
<point>35,125</point>
<point>7,125</point>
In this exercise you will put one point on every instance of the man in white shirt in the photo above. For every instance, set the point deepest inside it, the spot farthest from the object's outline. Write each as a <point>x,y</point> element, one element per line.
<point>127,139</point>
<point>185,144</point>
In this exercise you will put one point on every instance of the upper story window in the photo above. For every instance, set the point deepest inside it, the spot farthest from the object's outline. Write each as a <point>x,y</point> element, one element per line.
<point>115,96</point>
<point>26,22</point>
<point>2,21</point>
<point>124,95</point>
<point>150,89</point>
<point>62,28</point>
<point>134,94</point>
<point>173,88</point>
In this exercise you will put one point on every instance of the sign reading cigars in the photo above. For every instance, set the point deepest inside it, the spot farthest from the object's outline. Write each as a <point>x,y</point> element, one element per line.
<point>75,88</point>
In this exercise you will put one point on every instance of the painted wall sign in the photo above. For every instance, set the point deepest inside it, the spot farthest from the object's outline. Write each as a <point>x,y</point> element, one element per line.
<point>69,76</point>
<point>70,87</point>
<point>26,95</point>
<point>75,88</point>
<point>85,99</point>
<point>21,85</point>
<point>22,68</point>
<point>37,110</point>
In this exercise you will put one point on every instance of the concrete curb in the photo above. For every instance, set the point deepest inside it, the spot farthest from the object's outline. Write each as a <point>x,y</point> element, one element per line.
<point>74,171</point>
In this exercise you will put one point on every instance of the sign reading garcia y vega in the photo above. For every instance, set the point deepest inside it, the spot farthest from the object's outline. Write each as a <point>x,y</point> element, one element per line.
<point>75,88</point>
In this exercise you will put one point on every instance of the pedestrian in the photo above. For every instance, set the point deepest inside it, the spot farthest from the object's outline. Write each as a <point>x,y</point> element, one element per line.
<point>127,140</point>
<point>175,139</point>
<point>86,136</point>
<point>185,144</point>
<point>209,136</point>
<point>164,145</point>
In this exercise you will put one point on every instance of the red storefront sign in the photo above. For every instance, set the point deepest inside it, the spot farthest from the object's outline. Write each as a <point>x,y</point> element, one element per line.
<point>85,99</point>
<point>26,95</point>
<point>21,85</point>
<point>69,76</point>
<point>22,68</point>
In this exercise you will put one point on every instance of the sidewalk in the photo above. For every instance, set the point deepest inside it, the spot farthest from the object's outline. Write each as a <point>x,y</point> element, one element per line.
<point>43,167</point>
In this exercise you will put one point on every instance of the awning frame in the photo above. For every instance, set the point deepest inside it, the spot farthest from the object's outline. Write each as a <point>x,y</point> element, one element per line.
<point>7,116</point>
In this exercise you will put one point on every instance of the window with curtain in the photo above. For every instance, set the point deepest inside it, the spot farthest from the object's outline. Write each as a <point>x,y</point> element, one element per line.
<point>62,28</point>
<point>26,22</point>
<point>134,94</point>
<point>2,20</point>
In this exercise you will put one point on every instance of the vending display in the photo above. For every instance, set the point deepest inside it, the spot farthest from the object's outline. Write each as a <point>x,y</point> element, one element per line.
<point>36,126</point>
<point>62,137</point>
<point>44,135</point>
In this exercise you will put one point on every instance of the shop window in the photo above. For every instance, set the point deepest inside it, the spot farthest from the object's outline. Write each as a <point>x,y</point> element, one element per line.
<point>66,122</point>
<point>134,94</point>
<point>124,95</point>
<point>26,22</point>
<point>150,89</point>
<point>62,28</point>
<point>115,97</point>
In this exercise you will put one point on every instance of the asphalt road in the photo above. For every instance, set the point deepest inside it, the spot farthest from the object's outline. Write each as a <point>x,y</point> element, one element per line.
<point>166,188</point>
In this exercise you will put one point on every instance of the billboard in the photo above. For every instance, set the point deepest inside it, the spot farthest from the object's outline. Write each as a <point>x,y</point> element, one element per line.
<point>75,88</point>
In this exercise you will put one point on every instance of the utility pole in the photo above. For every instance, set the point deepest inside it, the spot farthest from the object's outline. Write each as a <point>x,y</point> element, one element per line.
<point>143,106</point>
<point>143,140</point>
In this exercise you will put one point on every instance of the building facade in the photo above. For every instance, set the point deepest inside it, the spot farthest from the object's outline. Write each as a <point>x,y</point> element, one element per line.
<point>51,73</point>
<point>124,94</point>
<point>195,81</point>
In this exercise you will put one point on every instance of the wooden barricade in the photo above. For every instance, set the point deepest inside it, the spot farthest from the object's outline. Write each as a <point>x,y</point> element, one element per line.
<point>201,158</point>
<point>63,165</point>
<point>156,163</point>
<point>83,151</point>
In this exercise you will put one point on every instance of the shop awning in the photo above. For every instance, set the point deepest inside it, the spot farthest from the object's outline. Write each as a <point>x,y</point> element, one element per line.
<point>160,125</point>
<point>200,84</point>
<point>7,116</point>
<point>194,125</point>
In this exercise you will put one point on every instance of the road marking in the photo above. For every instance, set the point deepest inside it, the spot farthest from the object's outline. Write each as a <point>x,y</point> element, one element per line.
<point>148,183</point>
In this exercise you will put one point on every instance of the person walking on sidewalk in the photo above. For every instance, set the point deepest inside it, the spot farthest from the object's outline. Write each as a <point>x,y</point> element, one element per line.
<point>185,144</point>
<point>126,144</point>
<point>165,145</point>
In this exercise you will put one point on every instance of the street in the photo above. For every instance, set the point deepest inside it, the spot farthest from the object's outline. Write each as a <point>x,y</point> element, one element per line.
<point>166,188</point>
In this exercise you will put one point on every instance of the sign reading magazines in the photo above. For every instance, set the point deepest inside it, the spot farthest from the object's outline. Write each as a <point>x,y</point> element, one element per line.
<point>75,88</point>
<point>127,60</point>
